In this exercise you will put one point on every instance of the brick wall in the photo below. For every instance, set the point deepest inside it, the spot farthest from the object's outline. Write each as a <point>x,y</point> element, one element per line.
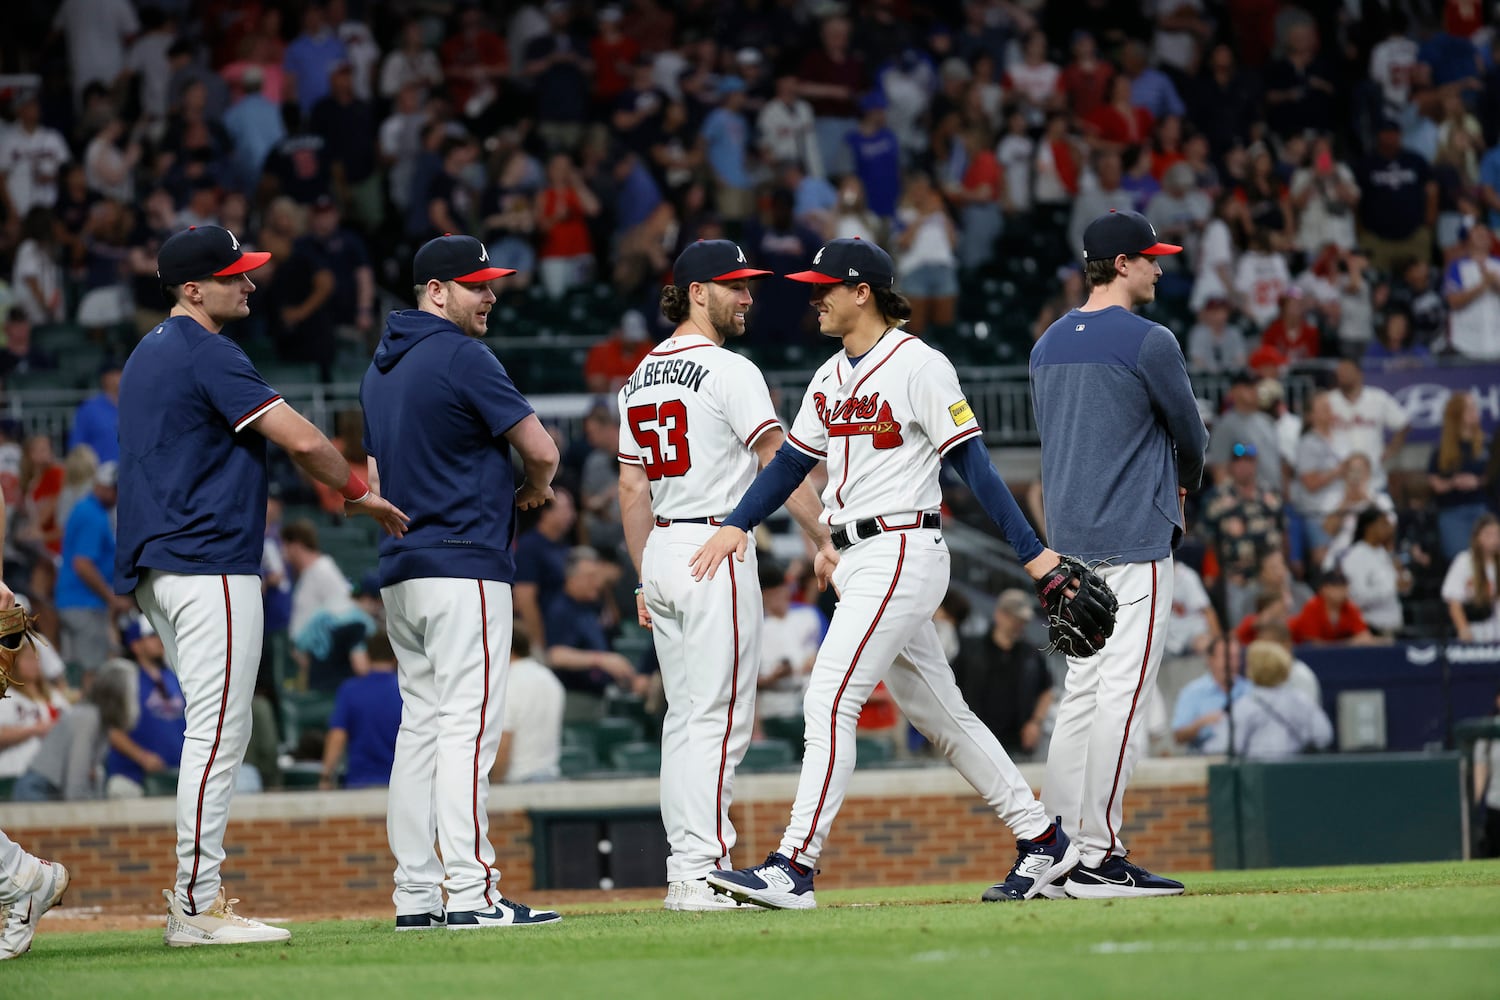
<point>327,852</point>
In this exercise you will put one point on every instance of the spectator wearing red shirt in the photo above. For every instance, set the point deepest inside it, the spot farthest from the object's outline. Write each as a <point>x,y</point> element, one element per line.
<point>978,199</point>
<point>1119,123</point>
<point>566,257</point>
<point>611,361</point>
<point>1292,334</point>
<point>1329,616</point>
<point>1086,80</point>
<point>832,78</point>
<point>475,61</point>
<point>614,54</point>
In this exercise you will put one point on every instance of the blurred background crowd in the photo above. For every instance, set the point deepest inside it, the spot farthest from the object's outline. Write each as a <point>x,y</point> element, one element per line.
<point>1333,170</point>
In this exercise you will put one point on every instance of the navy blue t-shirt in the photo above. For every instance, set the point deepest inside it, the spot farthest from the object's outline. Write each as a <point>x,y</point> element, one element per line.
<point>542,561</point>
<point>437,406</point>
<point>192,477</point>
<point>368,708</point>
<point>576,625</point>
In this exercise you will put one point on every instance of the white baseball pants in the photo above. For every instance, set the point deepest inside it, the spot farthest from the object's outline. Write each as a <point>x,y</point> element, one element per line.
<point>452,643</point>
<point>18,870</point>
<point>1101,729</point>
<point>889,587</point>
<point>707,636</point>
<point>211,627</point>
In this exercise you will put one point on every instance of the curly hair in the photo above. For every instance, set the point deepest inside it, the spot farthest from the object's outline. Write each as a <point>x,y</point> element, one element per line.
<point>675,304</point>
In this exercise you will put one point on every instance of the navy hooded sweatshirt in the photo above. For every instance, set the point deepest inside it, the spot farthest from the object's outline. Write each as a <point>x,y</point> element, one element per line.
<point>437,406</point>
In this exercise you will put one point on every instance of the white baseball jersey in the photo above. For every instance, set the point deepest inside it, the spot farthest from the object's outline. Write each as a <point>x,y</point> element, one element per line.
<point>883,426</point>
<point>689,415</point>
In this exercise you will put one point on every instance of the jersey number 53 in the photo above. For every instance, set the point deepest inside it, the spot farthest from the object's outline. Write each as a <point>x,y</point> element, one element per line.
<point>661,433</point>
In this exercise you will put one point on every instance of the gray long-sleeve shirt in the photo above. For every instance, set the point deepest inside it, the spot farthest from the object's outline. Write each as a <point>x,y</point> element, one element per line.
<point>1279,722</point>
<point>72,752</point>
<point>1120,433</point>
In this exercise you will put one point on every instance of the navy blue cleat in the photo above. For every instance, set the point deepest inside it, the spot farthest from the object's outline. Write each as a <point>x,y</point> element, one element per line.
<point>1117,878</point>
<point>776,885</point>
<point>504,914</point>
<point>419,921</point>
<point>1038,867</point>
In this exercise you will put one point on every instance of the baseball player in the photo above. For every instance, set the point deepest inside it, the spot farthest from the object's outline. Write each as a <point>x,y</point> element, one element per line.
<point>884,412</point>
<point>192,515</point>
<point>29,886</point>
<point>441,416</point>
<point>696,422</point>
<point>1141,434</point>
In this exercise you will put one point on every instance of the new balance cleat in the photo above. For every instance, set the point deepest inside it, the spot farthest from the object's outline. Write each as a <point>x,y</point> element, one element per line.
<point>503,914</point>
<point>218,924</point>
<point>775,884</point>
<point>420,921</point>
<point>694,896</point>
<point>18,920</point>
<point>1038,867</point>
<point>1117,878</point>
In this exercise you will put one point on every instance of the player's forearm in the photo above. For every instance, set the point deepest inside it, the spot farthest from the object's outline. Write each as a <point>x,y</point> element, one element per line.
<point>92,578</point>
<point>568,658</point>
<point>635,513</point>
<point>807,510</point>
<point>772,488</point>
<point>972,463</point>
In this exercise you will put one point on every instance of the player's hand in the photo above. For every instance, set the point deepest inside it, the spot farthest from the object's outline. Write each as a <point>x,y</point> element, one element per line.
<point>7,597</point>
<point>824,563</point>
<point>152,763</point>
<point>529,497</point>
<point>642,615</point>
<point>386,514</point>
<point>1031,735</point>
<point>705,561</point>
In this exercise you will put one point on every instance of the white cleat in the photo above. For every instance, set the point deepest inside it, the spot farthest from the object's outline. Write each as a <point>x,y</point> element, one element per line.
<point>219,924</point>
<point>695,896</point>
<point>18,920</point>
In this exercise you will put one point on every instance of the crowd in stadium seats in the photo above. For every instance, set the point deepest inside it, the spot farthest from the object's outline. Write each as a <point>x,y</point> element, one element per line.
<point>1334,180</point>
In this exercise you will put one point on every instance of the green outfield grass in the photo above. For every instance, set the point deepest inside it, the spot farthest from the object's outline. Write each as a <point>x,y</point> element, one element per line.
<point>1426,931</point>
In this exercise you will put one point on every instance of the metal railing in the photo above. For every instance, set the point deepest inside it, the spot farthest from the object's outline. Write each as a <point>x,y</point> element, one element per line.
<point>1000,396</point>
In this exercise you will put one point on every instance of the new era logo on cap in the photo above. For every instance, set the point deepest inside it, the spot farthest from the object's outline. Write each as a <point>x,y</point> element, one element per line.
<point>854,261</point>
<point>1127,233</point>
<point>455,258</point>
<point>200,252</point>
<point>712,260</point>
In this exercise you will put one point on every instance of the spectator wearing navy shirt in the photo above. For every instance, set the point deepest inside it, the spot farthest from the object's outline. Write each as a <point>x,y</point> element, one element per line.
<point>154,744</point>
<point>1398,202</point>
<point>541,563</point>
<point>311,58</point>
<point>195,418</point>
<point>97,421</point>
<point>877,157</point>
<point>366,718</point>
<point>330,285</point>
<point>577,648</point>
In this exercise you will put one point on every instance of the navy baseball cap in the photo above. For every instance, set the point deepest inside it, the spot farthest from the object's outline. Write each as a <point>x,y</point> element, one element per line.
<point>200,252</point>
<point>1125,233</point>
<point>455,258</point>
<point>712,260</point>
<point>854,261</point>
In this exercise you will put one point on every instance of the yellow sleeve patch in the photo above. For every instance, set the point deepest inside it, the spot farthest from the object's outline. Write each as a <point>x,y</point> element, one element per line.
<point>961,413</point>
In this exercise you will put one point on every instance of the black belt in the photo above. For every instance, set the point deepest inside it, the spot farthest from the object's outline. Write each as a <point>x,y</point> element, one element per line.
<point>662,522</point>
<point>869,527</point>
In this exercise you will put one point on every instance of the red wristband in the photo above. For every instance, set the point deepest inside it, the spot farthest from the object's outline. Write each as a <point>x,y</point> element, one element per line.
<point>356,489</point>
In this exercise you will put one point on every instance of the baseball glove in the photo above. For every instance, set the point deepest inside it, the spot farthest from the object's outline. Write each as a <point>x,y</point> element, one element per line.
<point>1081,624</point>
<point>16,628</point>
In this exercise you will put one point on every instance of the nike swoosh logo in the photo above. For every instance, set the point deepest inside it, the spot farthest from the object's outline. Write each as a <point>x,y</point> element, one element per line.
<point>1127,880</point>
<point>27,919</point>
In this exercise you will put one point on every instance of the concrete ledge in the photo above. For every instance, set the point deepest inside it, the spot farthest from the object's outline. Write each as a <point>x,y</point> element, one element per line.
<point>618,793</point>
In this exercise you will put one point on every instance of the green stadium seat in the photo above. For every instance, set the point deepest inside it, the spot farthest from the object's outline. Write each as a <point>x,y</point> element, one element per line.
<point>625,706</point>
<point>637,758</point>
<point>301,777</point>
<point>576,760</point>
<point>7,787</point>
<point>767,755</point>
<point>160,785</point>
<point>304,710</point>
<point>578,735</point>
<point>871,752</point>
<point>788,730</point>
<point>611,732</point>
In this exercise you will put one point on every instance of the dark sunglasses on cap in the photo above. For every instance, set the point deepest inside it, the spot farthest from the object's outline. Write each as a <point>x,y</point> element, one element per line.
<point>1243,451</point>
